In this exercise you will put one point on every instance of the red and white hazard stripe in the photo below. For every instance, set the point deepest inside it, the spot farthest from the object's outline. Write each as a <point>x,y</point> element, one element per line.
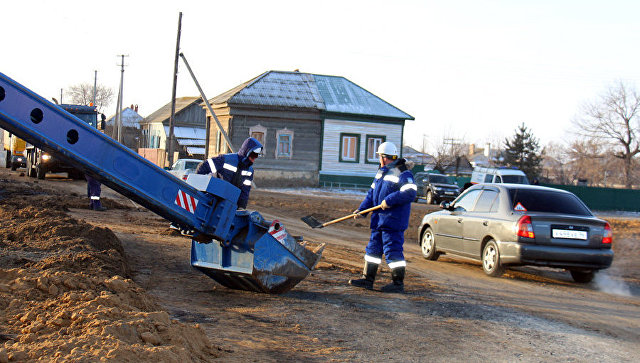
<point>280,233</point>
<point>186,201</point>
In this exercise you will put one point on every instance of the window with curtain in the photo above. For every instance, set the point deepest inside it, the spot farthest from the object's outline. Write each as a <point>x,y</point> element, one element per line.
<point>349,147</point>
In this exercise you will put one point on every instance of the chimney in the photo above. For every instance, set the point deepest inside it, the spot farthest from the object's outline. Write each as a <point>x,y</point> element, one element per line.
<point>487,150</point>
<point>131,106</point>
<point>136,109</point>
<point>472,149</point>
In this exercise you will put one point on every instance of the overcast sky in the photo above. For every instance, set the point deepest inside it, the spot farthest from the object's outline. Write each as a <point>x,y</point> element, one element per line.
<point>468,70</point>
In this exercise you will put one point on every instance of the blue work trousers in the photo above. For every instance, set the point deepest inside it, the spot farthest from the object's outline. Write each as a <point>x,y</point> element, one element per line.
<point>387,242</point>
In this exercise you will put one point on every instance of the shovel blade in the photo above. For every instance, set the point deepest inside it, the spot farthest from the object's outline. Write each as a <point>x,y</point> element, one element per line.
<point>311,222</point>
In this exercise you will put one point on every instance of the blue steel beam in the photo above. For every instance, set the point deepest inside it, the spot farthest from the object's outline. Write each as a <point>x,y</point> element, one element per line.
<point>47,126</point>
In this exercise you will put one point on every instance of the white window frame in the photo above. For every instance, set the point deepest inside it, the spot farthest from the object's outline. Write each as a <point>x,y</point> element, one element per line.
<point>278,153</point>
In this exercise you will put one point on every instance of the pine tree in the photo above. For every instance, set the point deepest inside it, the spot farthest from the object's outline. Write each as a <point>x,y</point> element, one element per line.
<point>523,152</point>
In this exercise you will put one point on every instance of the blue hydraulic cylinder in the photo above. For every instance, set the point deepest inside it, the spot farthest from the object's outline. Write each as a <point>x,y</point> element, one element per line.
<point>209,214</point>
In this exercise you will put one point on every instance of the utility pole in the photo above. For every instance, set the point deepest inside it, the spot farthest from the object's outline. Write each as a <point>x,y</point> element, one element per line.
<point>95,83</point>
<point>118,123</point>
<point>170,142</point>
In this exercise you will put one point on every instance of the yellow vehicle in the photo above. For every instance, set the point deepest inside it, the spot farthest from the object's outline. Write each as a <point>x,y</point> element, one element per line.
<point>15,148</point>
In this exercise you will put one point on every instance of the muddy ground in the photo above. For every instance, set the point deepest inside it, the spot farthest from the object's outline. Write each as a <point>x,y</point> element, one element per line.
<point>82,285</point>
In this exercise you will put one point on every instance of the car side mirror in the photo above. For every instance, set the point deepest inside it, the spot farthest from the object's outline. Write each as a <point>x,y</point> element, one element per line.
<point>446,205</point>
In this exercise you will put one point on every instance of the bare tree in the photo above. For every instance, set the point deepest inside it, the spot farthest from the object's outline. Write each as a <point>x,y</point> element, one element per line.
<point>448,153</point>
<point>586,159</point>
<point>82,94</point>
<point>614,118</point>
<point>556,166</point>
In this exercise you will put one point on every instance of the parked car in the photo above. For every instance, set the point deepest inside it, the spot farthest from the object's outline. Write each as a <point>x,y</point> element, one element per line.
<point>435,188</point>
<point>515,224</point>
<point>183,167</point>
<point>502,174</point>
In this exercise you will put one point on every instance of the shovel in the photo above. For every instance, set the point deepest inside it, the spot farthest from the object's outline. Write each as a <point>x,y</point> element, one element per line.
<point>314,223</point>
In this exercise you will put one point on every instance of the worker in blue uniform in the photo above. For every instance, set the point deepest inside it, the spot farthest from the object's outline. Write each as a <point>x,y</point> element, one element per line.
<point>93,191</point>
<point>394,189</point>
<point>235,168</point>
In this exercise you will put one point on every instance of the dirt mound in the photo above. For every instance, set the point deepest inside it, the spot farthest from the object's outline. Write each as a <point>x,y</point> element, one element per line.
<point>65,295</point>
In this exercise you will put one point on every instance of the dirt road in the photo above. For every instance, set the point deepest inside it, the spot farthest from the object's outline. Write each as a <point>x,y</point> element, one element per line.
<point>451,310</point>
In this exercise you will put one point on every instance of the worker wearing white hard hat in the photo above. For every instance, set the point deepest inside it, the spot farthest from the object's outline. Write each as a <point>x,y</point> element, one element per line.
<point>394,189</point>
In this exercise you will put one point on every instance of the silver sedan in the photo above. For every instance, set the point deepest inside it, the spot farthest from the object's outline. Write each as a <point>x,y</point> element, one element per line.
<point>514,224</point>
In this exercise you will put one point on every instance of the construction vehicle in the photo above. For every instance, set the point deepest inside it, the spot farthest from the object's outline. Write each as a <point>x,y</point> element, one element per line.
<point>40,162</point>
<point>15,147</point>
<point>237,248</point>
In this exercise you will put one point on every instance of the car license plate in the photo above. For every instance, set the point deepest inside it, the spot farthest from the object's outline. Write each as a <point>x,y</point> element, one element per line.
<point>570,234</point>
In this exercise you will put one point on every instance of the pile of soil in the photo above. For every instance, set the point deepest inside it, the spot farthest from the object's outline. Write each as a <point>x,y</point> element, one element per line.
<point>65,291</point>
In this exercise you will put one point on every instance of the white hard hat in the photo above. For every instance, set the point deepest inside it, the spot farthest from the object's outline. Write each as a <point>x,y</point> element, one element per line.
<point>387,148</point>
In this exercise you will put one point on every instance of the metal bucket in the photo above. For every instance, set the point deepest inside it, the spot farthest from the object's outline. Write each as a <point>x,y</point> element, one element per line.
<point>262,256</point>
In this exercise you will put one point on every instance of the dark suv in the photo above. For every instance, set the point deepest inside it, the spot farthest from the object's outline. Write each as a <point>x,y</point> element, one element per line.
<point>435,188</point>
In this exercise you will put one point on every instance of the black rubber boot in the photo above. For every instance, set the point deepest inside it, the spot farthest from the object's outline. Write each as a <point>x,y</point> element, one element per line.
<point>368,276</point>
<point>397,275</point>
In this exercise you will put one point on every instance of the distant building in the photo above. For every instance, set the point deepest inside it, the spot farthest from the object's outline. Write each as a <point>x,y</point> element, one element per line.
<point>189,128</point>
<point>484,157</point>
<point>316,129</point>
<point>423,161</point>
<point>130,130</point>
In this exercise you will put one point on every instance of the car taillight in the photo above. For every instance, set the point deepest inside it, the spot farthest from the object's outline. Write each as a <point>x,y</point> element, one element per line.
<point>184,177</point>
<point>525,227</point>
<point>607,236</point>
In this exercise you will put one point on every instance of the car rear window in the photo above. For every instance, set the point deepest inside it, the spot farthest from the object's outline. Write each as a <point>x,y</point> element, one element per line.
<point>515,179</point>
<point>191,165</point>
<point>547,201</point>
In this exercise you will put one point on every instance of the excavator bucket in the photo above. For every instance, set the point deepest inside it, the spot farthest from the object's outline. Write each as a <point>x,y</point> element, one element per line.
<point>262,256</point>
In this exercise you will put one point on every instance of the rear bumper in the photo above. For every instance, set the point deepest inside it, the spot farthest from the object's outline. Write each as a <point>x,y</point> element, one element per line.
<point>513,253</point>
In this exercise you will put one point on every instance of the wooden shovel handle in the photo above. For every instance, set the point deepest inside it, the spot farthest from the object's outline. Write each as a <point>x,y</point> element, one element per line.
<point>351,215</point>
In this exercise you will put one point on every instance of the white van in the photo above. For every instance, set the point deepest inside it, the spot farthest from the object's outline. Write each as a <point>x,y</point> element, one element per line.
<point>498,175</point>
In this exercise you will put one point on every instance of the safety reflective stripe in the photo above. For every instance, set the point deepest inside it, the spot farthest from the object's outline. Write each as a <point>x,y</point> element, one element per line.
<point>373,185</point>
<point>395,264</point>
<point>95,198</point>
<point>247,182</point>
<point>212,166</point>
<point>246,173</point>
<point>230,167</point>
<point>378,176</point>
<point>408,186</point>
<point>372,259</point>
<point>391,178</point>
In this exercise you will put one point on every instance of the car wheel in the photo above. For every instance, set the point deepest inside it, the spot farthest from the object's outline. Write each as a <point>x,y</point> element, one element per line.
<point>491,260</point>
<point>428,245</point>
<point>582,276</point>
<point>429,197</point>
<point>40,172</point>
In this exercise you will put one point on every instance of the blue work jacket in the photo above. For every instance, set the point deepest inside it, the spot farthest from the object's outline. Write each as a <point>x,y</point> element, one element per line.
<point>394,184</point>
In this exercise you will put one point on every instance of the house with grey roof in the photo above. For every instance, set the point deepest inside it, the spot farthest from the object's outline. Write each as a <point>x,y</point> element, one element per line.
<point>316,129</point>
<point>189,128</point>
<point>129,128</point>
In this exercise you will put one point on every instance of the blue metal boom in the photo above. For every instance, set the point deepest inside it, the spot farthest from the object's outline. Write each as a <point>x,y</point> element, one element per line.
<point>238,249</point>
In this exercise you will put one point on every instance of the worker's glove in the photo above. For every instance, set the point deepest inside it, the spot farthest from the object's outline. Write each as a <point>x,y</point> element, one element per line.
<point>384,205</point>
<point>357,214</point>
